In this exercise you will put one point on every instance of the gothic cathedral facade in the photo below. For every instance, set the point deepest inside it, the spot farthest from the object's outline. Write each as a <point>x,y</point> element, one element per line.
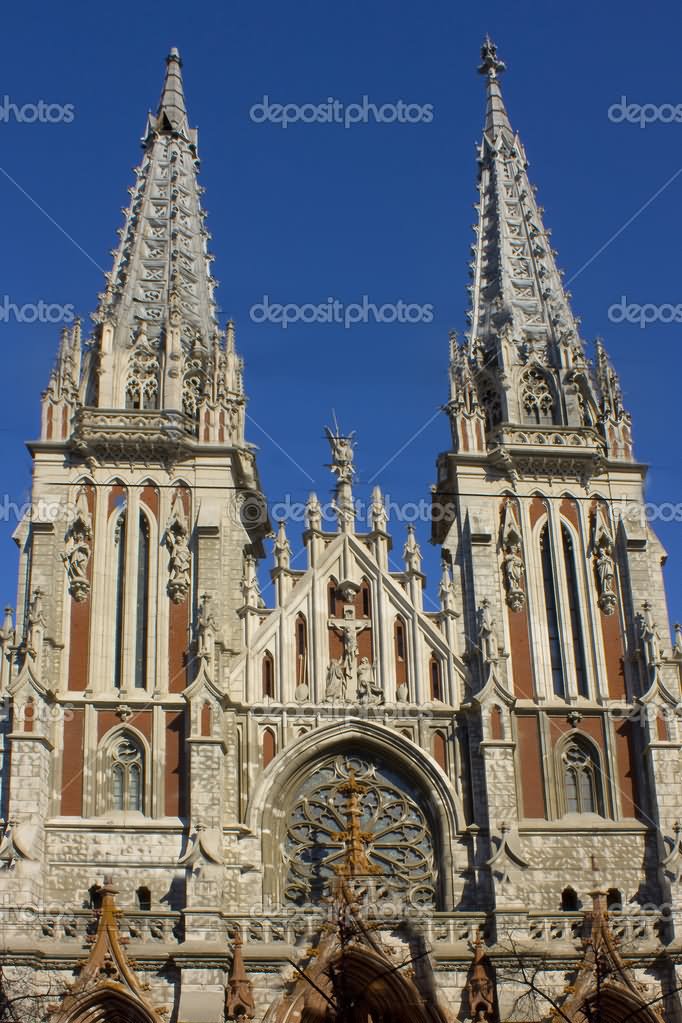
<point>343,806</point>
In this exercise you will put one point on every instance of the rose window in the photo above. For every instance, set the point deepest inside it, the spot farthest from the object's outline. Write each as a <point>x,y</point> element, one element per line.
<point>396,836</point>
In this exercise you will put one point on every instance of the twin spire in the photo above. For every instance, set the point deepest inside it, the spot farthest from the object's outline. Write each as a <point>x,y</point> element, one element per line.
<point>157,344</point>
<point>523,362</point>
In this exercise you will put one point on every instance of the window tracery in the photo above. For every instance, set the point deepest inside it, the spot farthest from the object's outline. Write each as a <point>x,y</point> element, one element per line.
<point>536,398</point>
<point>399,842</point>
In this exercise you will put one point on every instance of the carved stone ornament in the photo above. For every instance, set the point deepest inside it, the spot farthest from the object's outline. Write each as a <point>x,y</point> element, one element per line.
<point>177,535</point>
<point>512,560</point>
<point>604,564</point>
<point>78,549</point>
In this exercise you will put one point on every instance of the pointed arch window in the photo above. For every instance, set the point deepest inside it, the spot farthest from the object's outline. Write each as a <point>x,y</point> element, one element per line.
<point>301,636</point>
<point>551,613</point>
<point>400,651</point>
<point>268,674</point>
<point>574,611</point>
<point>119,618</point>
<point>131,610</point>
<point>142,610</point>
<point>127,774</point>
<point>436,678</point>
<point>580,773</point>
<point>537,401</point>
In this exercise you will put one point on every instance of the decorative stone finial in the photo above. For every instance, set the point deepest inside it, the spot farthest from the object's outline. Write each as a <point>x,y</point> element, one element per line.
<point>490,65</point>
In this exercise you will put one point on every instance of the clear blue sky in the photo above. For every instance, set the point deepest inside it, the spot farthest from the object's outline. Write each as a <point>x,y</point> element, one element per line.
<point>318,211</point>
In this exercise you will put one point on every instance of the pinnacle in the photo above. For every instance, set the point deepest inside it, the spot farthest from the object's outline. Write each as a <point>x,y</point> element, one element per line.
<point>172,112</point>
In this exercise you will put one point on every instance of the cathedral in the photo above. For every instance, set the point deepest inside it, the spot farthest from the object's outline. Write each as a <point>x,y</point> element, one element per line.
<point>342,807</point>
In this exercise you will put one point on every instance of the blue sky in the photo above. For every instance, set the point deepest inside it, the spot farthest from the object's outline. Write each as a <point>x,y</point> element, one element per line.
<point>315,211</point>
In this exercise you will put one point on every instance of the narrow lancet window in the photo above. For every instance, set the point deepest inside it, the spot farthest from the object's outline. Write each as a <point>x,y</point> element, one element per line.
<point>549,586</point>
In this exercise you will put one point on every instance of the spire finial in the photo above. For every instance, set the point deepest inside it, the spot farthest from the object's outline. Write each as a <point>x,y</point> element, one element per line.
<point>490,65</point>
<point>172,112</point>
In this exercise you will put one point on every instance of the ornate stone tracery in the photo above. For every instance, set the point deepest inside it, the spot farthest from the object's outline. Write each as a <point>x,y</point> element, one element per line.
<point>536,397</point>
<point>399,842</point>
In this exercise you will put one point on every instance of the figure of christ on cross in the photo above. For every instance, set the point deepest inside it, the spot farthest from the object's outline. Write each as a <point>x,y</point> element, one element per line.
<point>348,627</point>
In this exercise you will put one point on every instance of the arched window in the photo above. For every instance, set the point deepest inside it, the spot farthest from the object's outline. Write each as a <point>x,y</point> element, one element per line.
<point>269,747</point>
<point>268,670</point>
<point>400,651</point>
<point>549,586</point>
<point>365,599</point>
<point>207,719</point>
<point>119,618</point>
<point>332,597</point>
<point>127,774</point>
<point>581,790</point>
<point>144,899</point>
<point>569,901</point>
<point>301,637</point>
<point>436,678</point>
<point>142,609</point>
<point>440,750</point>
<point>574,611</point>
<point>536,398</point>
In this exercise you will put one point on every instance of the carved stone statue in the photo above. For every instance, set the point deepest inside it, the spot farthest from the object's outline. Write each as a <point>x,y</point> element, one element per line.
<point>177,536</point>
<point>206,631</point>
<point>514,571</point>
<point>486,634</point>
<point>402,692</point>
<point>78,549</point>
<point>606,575</point>
<point>512,562</point>
<point>313,513</point>
<point>342,455</point>
<point>650,641</point>
<point>336,681</point>
<point>369,690</point>
<point>377,512</point>
<point>35,626</point>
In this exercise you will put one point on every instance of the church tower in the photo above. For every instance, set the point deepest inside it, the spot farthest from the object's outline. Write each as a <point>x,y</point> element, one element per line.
<point>562,615</point>
<point>147,507</point>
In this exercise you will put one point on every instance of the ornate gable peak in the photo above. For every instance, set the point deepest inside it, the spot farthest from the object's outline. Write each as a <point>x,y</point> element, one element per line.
<point>107,972</point>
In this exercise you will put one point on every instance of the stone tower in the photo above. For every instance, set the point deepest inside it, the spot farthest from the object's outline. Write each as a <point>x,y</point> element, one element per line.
<point>342,806</point>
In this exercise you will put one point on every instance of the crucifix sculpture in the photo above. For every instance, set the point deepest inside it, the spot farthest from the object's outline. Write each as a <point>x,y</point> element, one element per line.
<point>348,627</point>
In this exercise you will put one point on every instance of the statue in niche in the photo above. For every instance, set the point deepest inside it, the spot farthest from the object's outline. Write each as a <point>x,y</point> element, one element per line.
<point>606,576</point>
<point>177,536</point>
<point>486,634</point>
<point>402,693</point>
<point>336,681</point>
<point>206,629</point>
<point>513,567</point>
<point>369,690</point>
<point>76,556</point>
<point>650,640</point>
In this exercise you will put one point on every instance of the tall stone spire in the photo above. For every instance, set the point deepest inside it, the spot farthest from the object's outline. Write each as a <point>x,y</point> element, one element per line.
<point>523,361</point>
<point>156,343</point>
<point>516,281</point>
